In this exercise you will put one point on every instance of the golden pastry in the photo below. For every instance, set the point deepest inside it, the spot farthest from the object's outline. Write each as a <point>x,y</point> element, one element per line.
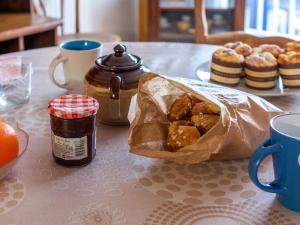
<point>240,47</point>
<point>293,46</point>
<point>181,135</point>
<point>204,122</point>
<point>189,118</point>
<point>180,108</point>
<point>289,58</point>
<point>174,125</point>
<point>205,108</point>
<point>194,100</point>
<point>275,50</point>
<point>228,55</point>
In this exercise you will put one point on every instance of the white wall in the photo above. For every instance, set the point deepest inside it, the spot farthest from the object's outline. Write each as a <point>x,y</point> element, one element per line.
<point>114,16</point>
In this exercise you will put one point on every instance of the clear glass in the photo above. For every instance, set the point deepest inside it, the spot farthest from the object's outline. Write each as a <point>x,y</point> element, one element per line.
<point>18,92</point>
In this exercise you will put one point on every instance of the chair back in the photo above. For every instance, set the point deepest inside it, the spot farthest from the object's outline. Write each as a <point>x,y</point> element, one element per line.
<point>38,7</point>
<point>253,39</point>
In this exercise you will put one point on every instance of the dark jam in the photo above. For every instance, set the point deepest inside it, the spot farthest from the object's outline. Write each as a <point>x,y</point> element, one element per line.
<point>73,140</point>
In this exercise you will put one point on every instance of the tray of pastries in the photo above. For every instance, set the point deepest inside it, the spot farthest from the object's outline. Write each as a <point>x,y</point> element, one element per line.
<point>265,70</point>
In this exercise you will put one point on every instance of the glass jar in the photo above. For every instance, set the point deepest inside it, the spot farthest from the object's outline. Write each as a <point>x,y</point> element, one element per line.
<point>73,125</point>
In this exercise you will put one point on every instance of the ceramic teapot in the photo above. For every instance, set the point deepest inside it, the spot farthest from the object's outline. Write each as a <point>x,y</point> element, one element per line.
<point>113,80</point>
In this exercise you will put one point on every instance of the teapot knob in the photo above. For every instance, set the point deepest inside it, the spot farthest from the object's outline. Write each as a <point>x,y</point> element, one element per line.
<point>120,49</point>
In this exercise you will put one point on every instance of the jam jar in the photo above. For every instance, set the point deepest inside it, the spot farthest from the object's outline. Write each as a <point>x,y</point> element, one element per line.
<point>73,125</point>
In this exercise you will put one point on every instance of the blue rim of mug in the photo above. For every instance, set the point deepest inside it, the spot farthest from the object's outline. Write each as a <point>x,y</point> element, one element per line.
<point>94,45</point>
<point>283,134</point>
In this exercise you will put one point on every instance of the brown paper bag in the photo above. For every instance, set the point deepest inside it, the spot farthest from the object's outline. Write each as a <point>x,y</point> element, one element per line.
<point>243,125</point>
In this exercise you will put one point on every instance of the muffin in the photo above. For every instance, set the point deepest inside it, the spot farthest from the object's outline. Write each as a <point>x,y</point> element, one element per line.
<point>275,50</point>
<point>240,48</point>
<point>293,46</point>
<point>289,69</point>
<point>226,67</point>
<point>261,70</point>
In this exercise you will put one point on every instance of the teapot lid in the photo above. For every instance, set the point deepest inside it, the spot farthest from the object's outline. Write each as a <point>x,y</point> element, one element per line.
<point>119,60</point>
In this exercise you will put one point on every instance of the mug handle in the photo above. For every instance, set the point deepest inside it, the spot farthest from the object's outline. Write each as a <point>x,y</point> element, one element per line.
<point>259,155</point>
<point>57,60</point>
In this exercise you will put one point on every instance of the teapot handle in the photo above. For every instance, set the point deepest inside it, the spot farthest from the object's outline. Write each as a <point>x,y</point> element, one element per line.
<point>115,86</point>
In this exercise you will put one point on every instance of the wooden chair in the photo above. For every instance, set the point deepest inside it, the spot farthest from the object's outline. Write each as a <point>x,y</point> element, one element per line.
<point>38,7</point>
<point>253,39</point>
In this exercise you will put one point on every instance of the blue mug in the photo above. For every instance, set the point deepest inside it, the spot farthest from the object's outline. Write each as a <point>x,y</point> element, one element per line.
<point>284,146</point>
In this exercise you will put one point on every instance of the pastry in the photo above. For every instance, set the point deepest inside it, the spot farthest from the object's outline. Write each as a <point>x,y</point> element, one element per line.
<point>293,46</point>
<point>240,48</point>
<point>204,122</point>
<point>181,134</point>
<point>180,108</point>
<point>190,117</point>
<point>205,108</point>
<point>226,66</point>
<point>289,69</point>
<point>261,70</point>
<point>275,50</point>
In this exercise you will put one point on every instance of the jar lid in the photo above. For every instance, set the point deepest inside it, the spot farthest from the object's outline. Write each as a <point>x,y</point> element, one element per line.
<point>119,60</point>
<point>73,106</point>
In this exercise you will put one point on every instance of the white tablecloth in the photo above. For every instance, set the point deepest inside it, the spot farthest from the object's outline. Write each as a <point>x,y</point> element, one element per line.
<point>120,188</point>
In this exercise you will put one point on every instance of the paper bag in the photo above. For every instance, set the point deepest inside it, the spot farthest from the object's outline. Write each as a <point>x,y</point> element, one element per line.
<point>243,125</point>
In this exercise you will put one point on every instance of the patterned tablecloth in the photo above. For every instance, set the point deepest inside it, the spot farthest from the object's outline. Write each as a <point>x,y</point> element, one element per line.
<point>120,188</point>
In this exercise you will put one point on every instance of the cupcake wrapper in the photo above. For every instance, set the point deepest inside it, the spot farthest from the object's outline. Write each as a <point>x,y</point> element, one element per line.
<point>291,83</point>
<point>225,73</point>
<point>222,74</point>
<point>290,74</point>
<point>257,87</point>
<point>224,80</point>
<point>288,77</point>
<point>261,77</point>
<point>291,86</point>
<point>261,69</point>
<point>290,66</point>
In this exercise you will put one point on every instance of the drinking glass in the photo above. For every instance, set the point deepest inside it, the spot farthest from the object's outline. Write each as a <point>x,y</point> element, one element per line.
<point>18,91</point>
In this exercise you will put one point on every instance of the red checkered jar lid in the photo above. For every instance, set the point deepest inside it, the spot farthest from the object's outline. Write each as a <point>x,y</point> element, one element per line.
<point>73,106</point>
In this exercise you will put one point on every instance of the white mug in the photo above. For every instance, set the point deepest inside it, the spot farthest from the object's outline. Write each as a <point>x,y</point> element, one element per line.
<point>77,56</point>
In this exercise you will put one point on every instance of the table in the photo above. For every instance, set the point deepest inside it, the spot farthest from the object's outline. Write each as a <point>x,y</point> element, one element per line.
<point>22,31</point>
<point>120,188</point>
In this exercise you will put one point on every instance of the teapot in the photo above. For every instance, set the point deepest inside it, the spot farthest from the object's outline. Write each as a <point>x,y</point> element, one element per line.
<point>113,80</point>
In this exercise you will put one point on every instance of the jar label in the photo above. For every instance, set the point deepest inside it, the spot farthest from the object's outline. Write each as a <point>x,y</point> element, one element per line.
<point>69,148</point>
